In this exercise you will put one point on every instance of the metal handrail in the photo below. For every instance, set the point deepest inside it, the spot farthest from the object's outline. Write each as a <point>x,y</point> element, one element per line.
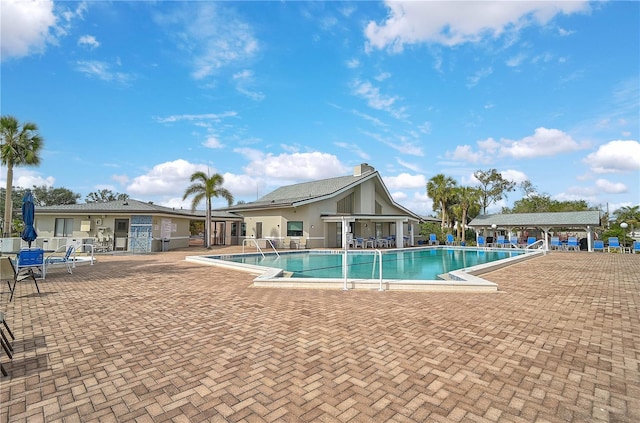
<point>255,241</point>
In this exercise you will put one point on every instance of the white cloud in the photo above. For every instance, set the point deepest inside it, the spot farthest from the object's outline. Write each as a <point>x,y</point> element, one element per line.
<point>354,149</point>
<point>215,117</point>
<point>102,71</point>
<point>26,27</point>
<point>155,182</point>
<point>376,100</point>
<point>293,167</point>
<point>473,80</point>
<point>615,157</point>
<point>244,80</point>
<point>382,76</point>
<point>610,187</point>
<point>88,41</point>
<point>212,142</point>
<point>543,143</point>
<point>516,60</point>
<point>211,35</point>
<point>452,23</point>
<point>24,178</point>
<point>352,63</point>
<point>405,181</point>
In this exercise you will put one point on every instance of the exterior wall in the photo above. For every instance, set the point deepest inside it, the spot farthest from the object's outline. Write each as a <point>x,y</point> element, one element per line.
<point>145,231</point>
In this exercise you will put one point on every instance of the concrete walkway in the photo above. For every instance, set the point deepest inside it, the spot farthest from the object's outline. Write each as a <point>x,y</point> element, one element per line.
<point>154,338</point>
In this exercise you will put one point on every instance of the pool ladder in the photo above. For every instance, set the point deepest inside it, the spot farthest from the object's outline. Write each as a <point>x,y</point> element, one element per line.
<point>378,253</point>
<point>255,241</point>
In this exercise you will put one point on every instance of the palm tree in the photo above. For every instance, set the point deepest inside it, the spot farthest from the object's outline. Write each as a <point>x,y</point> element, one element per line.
<point>207,187</point>
<point>440,190</point>
<point>20,145</point>
<point>467,198</point>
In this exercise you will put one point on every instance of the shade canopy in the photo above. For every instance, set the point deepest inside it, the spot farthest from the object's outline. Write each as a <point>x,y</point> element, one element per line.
<point>29,233</point>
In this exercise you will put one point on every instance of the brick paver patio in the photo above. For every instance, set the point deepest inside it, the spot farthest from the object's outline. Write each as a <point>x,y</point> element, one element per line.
<point>154,338</point>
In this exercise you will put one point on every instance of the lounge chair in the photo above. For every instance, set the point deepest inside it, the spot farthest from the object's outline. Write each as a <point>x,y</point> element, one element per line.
<point>433,240</point>
<point>636,247</point>
<point>481,241</point>
<point>67,260</point>
<point>598,245</point>
<point>531,240</point>
<point>359,243</point>
<point>500,241</point>
<point>513,240</point>
<point>573,244</point>
<point>555,243</point>
<point>450,240</point>
<point>8,272</point>
<point>614,244</point>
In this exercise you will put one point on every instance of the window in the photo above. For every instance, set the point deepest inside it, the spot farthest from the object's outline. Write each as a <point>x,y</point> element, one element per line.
<point>64,227</point>
<point>294,228</point>
<point>243,229</point>
<point>346,204</point>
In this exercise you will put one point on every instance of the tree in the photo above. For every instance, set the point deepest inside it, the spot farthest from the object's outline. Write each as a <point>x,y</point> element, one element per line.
<point>493,187</point>
<point>628,214</point>
<point>206,187</point>
<point>104,196</point>
<point>50,196</point>
<point>467,200</point>
<point>440,190</point>
<point>20,145</point>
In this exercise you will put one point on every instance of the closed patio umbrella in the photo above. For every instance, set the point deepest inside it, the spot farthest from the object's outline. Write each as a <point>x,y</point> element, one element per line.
<point>28,216</point>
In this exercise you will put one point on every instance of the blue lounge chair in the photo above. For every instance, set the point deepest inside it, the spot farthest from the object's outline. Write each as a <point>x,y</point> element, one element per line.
<point>614,244</point>
<point>531,240</point>
<point>450,240</point>
<point>555,243</point>
<point>513,240</point>
<point>636,247</point>
<point>598,245</point>
<point>432,239</point>
<point>573,244</point>
<point>67,260</point>
<point>481,241</point>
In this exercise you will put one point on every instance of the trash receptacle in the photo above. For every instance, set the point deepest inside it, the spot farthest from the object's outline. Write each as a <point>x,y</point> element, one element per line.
<point>165,244</point>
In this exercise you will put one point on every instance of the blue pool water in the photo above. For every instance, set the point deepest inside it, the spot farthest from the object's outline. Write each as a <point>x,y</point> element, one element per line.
<point>413,264</point>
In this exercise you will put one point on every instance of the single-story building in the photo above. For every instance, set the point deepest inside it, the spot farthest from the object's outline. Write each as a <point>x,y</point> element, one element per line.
<point>128,225</point>
<point>327,213</point>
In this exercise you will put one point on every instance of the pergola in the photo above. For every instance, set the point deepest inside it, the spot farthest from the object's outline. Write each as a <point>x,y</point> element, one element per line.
<point>582,220</point>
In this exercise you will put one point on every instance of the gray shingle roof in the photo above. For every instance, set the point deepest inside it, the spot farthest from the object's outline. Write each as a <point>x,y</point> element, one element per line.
<point>556,219</point>
<point>129,206</point>
<point>305,191</point>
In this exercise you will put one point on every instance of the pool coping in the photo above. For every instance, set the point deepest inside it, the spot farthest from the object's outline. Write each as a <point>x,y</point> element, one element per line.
<point>461,280</point>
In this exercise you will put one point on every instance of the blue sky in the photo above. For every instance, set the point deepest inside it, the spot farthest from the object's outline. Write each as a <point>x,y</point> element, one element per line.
<point>136,96</point>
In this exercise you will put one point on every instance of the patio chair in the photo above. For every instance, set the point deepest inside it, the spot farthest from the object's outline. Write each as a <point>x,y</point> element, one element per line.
<point>67,260</point>
<point>9,273</point>
<point>500,241</point>
<point>432,239</point>
<point>555,243</point>
<point>636,247</point>
<point>531,240</point>
<point>359,243</point>
<point>481,241</point>
<point>513,240</point>
<point>450,240</point>
<point>614,244</point>
<point>598,245</point>
<point>6,344</point>
<point>573,244</point>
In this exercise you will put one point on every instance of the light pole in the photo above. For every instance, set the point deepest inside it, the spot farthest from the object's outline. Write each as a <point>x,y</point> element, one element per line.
<point>624,226</point>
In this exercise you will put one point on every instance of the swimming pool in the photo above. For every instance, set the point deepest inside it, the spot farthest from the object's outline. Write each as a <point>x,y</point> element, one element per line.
<point>412,268</point>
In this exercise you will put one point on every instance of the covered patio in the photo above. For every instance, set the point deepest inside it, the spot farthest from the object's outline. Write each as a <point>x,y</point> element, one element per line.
<point>583,221</point>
